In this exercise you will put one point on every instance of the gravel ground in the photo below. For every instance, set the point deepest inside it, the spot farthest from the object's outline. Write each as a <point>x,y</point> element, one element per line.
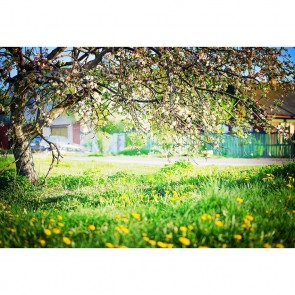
<point>161,161</point>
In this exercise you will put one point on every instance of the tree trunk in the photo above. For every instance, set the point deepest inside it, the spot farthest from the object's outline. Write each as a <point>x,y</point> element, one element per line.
<point>23,156</point>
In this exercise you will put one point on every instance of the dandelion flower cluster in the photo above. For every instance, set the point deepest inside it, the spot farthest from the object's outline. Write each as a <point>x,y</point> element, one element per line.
<point>122,229</point>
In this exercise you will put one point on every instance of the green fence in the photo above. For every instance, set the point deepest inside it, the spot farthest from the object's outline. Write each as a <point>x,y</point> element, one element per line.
<point>256,145</point>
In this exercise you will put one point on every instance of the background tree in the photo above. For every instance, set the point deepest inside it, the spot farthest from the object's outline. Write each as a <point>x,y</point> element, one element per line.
<point>184,91</point>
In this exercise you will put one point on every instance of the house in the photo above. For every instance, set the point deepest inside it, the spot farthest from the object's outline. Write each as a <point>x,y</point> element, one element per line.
<point>65,126</point>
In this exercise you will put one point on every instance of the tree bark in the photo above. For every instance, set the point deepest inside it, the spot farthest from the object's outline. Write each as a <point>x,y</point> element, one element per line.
<point>23,156</point>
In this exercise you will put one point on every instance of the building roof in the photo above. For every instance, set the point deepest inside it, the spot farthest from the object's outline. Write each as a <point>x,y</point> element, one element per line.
<point>284,110</point>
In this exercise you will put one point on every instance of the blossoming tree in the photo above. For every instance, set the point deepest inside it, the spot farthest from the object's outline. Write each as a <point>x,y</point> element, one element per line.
<point>188,92</point>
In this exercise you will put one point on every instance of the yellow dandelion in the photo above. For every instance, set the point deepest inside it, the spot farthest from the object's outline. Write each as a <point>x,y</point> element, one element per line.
<point>144,235</point>
<point>289,185</point>
<point>162,244</point>
<point>146,239</point>
<point>204,217</point>
<point>224,245</point>
<point>266,245</point>
<point>59,217</point>
<point>52,221</point>
<point>56,231</point>
<point>249,217</point>
<point>238,237</point>
<point>246,225</point>
<point>70,233</point>
<point>66,240</point>
<point>293,211</point>
<point>122,246</point>
<point>174,193</point>
<point>183,228</point>
<point>109,245</point>
<point>219,223</point>
<point>136,216</point>
<point>122,229</point>
<point>190,227</point>
<point>47,232</point>
<point>280,246</point>
<point>184,241</point>
<point>91,227</point>
<point>156,197</point>
<point>33,219</point>
<point>117,216</point>
<point>152,242</point>
<point>60,224</point>
<point>170,245</point>
<point>217,215</point>
<point>239,200</point>
<point>42,242</point>
<point>168,236</point>
<point>124,219</point>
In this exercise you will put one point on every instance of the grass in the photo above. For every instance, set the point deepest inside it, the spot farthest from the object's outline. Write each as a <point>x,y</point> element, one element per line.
<point>89,204</point>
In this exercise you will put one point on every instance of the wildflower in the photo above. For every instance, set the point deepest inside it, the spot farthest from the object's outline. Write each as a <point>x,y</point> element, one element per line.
<point>60,224</point>
<point>266,245</point>
<point>121,246</point>
<point>47,232</point>
<point>219,223</point>
<point>279,246</point>
<point>246,225</point>
<point>206,217</point>
<point>174,193</point>
<point>42,242</point>
<point>162,245</point>
<point>168,236</point>
<point>33,219</point>
<point>144,235</point>
<point>289,185</point>
<point>70,233</point>
<point>59,217</point>
<point>146,239</point>
<point>122,229</point>
<point>136,216</point>
<point>217,215</point>
<point>239,200</point>
<point>156,197</point>
<point>117,216</point>
<point>109,245</point>
<point>249,217</point>
<point>224,245</point>
<point>184,241</point>
<point>190,227</point>
<point>152,242</point>
<point>238,237</point>
<point>66,240</point>
<point>51,221</point>
<point>91,227</point>
<point>56,231</point>
<point>124,219</point>
<point>293,211</point>
<point>170,245</point>
<point>183,228</point>
<point>11,229</point>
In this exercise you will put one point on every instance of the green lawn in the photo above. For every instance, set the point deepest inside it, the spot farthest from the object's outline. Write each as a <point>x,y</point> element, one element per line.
<point>90,204</point>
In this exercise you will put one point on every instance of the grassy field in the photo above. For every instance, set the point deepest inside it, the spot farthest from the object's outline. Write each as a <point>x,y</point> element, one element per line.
<point>90,204</point>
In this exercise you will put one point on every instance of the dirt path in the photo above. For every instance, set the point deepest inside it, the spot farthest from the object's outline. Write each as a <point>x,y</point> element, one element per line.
<point>162,161</point>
